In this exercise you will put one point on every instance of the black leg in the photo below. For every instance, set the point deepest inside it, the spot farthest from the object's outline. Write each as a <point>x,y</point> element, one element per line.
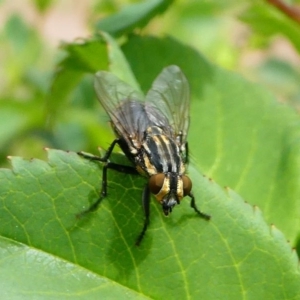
<point>146,207</point>
<point>105,157</point>
<point>193,205</point>
<point>187,160</point>
<point>185,153</point>
<point>107,165</point>
<point>122,168</point>
<point>103,194</point>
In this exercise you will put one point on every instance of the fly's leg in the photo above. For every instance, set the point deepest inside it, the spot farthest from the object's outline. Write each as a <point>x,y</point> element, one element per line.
<point>187,160</point>
<point>108,165</point>
<point>194,206</point>
<point>183,148</point>
<point>146,207</point>
<point>97,158</point>
<point>103,194</point>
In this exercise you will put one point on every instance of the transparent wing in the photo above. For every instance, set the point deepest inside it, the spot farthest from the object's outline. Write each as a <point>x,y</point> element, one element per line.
<point>122,104</point>
<point>170,95</point>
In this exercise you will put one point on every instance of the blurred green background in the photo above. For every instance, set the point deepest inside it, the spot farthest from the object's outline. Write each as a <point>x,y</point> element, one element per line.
<point>249,37</point>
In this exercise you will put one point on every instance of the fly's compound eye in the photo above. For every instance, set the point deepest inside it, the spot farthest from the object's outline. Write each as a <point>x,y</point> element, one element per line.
<point>187,185</point>
<point>156,183</point>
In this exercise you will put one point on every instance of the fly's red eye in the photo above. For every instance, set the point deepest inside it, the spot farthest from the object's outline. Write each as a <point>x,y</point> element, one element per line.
<point>187,185</point>
<point>156,183</point>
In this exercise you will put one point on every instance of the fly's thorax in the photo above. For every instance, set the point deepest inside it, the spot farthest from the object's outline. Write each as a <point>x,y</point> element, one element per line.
<point>154,130</point>
<point>169,189</point>
<point>144,164</point>
<point>160,153</point>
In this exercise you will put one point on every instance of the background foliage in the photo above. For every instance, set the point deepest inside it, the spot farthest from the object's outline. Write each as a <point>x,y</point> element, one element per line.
<point>241,136</point>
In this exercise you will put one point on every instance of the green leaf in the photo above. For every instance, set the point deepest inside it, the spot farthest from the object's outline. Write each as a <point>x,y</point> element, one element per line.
<point>282,78</point>
<point>23,51</point>
<point>86,57</point>
<point>17,118</point>
<point>268,21</point>
<point>118,63</point>
<point>48,252</point>
<point>81,58</point>
<point>31,281</point>
<point>240,135</point>
<point>43,5</point>
<point>133,16</point>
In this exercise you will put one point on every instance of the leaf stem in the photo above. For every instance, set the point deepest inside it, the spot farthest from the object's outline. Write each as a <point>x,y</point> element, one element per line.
<point>291,11</point>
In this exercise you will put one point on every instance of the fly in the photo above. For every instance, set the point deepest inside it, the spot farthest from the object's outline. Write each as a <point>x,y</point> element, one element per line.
<point>152,134</point>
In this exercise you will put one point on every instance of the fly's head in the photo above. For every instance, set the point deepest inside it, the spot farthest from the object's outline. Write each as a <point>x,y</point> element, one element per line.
<point>169,189</point>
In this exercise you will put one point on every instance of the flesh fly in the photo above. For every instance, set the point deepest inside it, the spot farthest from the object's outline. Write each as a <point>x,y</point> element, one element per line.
<point>152,133</point>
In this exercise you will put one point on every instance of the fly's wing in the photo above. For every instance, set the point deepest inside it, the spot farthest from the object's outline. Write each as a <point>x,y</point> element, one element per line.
<point>170,96</point>
<point>127,113</point>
